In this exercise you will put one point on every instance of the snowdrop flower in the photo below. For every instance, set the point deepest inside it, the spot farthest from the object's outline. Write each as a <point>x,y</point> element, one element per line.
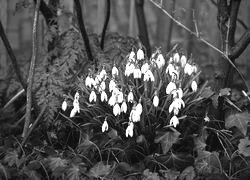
<point>112,101</point>
<point>170,68</point>
<point>149,76</point>
<point>104,96</point>
<point>116,109</point>
<point>139,108</point>
<point>170,61</point>
<point>102,86</point>
<point>176,58</point>
<point>77,96</point>
<point>134,116</point>
<point>174,121</point>
<point>140,54</point>
<point>89,81</point>
<point>105,126</point>
<point>206,118</point>
<point>160,61</point>
<point>194,68</point>
<point>144,68</point>
<point>115,71</point>
<point>131,56</point>
<point>119,97</point>
<point>92,96</point>
<point>73,112</point>
<point>130,129</point>
<point>76,105</point>
<point>188,69</point>
<point>178,93</point>
<point>170,87</point>
<point>156,100</point>
<point>137,73</point>
<point>64,105</point>
<point>124,107</point>
<point>129,69</point>
<point>194,86</point>
<point>176,105</point>
<point>130,97</point>
<point>183,61</point>
<point>112,85</point>
<point>103,74</point>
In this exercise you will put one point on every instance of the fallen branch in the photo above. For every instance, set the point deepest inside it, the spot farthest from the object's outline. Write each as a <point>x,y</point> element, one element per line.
<point>31,70</point>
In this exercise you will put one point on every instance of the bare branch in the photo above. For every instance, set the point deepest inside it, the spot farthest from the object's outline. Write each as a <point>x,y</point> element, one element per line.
<point>241,45</point>
<point>105,23</point>
<point>12,56</point>
<point>82,29</point>
<point>31,70</point>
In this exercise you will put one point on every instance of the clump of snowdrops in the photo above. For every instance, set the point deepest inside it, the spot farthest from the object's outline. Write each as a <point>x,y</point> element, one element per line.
<point>143,91</point>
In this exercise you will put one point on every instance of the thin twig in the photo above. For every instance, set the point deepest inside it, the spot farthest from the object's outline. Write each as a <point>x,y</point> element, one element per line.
<point>31,70</point>
<point>201,39</point>
<point>33,125</point>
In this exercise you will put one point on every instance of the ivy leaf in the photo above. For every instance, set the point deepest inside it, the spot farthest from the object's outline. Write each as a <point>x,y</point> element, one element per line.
<point>167,139</point>
<point>244,147</point>
<point>100,170</point>
<point>238,120</point>
<point>187,174</point>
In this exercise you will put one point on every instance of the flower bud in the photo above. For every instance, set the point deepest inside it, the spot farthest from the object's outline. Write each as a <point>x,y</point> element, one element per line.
<point>183,61</point>
<point>176,58</point>
<point>64,105</point>
<point>156,101</point>
<point>140,54</point>
<point>105,126</point>
<point>194,86</point>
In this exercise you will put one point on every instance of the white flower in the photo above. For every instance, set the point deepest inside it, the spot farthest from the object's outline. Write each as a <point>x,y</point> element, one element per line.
<point>112,85</point>
<point>76,105</point>
<point>160,61</point>
<point>170,68</point>
<point>77,96</point>
<point>134,116</point>
<point>176,105</point>
<point>88,81</point>
<point>149,76</point>
<point>130,97</point>
<point>129,69</point>
<point>140,54</point>
<point>176,58</point>
<point>144,68</point>
<point>194,86</point>
<point>170,60</point>
<point>116,109</point>
<point>137,73</point>
<point>104,96</point>
<point>174,121</point>
<point>206,118</point>
<point>183,61</point>
<point>105,126</point>
<point>178,93</point>
<point>194,67</point>
<point>119,97</point>
<point>64,105</point>
<point>188,69</point>
<point>130,129</point>
<point>73,112</point>
<point>139,108</point>
<point>103,86</point>
<point>115,71</point>
<point>124,107</point>
<point>103,74</point>
<point>132,56</point>
<point>92,96</point>
<point>111,101</point>
<point>156,101</point>
<point>170,87</point>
